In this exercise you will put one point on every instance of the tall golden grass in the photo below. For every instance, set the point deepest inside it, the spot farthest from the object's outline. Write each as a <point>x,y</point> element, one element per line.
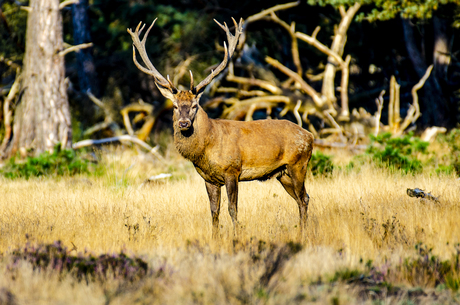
<point>353,217</point>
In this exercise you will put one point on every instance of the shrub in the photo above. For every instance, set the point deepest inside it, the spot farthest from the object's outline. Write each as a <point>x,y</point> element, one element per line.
<point>321,164</point>
<point>453,141</point>
<point>60,162</point>
<point>397,153</point>
<point>87,267</point>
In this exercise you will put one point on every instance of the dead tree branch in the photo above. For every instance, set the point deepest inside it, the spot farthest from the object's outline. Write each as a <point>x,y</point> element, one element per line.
<point>108,121</point>
<point>303,85</point>
<point>378,114</point>
<point>7,112</point>
<point>75,48</point>
<point>414,111</point>
<point>123,138</point>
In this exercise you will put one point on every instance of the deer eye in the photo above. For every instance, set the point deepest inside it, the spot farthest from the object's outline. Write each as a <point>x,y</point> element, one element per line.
<point>194,106</point>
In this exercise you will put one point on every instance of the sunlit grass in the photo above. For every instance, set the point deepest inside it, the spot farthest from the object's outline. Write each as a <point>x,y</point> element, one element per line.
<point>353,218</point>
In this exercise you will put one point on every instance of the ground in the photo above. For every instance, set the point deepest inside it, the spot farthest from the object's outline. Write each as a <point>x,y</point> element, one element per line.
<point>366,239</point>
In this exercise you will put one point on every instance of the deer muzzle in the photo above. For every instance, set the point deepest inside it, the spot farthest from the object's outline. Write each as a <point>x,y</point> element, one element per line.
<point>184,124</point>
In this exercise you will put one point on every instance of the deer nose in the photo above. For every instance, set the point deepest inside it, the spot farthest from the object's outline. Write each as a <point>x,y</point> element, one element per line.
<point>184,124</point>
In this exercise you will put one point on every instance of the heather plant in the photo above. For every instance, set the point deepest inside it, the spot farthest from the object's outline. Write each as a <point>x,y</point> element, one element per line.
<point>86,267</point>
<point>425,269</point>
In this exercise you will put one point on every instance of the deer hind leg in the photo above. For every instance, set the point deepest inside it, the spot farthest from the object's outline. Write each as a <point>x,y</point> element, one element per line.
<point>214,200</point>
<point>231,184</point>
<point>294,184</point>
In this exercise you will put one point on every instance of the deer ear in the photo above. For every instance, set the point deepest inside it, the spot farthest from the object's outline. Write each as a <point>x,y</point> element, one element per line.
<point>198,96</point>
<point>166,92</point>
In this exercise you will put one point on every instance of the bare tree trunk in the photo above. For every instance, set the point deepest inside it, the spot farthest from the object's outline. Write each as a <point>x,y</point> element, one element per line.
<point>338,44</point>
<point>441,52</point>
<point>81,34</point>
<point>434,103</point>
<point>42,118</point>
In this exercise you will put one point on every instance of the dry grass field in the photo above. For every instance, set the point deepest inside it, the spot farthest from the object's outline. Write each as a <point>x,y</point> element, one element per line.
<point>367,241</point>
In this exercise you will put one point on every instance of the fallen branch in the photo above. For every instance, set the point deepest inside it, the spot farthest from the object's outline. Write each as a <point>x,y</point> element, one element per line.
<point>325,144</point>
<point>108,121</point>
<point>418,193</point>
<point>336,125</point>
<point>147,108</point>
<point>273,89</point>
<point>303,85</point>
<point>152,150</point>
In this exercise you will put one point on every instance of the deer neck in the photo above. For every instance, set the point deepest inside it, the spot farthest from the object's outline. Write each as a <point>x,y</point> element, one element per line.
<point>191,144</point>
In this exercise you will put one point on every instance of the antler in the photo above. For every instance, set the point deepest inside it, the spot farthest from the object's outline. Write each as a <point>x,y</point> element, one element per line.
<point>140,45</point>
<point>232,41</point>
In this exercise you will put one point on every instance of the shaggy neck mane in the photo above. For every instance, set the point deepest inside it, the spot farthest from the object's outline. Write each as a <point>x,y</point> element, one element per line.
<point>191,143</point>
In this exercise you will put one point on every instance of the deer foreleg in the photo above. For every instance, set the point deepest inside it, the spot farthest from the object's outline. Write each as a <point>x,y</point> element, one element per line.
<point>214,200</point>
<point>231,184</point>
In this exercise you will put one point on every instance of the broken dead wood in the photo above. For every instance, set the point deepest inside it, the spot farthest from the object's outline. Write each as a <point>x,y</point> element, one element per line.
<point>414,111</point>
<point>124,138</point>
<point>327,144</point>
<point>429,135</point>
<point>418,193</point>
<point>305,87</point>
<point>149,119</point>
<point>109,122</point>
<point>378,114</point>
<point>7,112</point>
<point>157,179</point>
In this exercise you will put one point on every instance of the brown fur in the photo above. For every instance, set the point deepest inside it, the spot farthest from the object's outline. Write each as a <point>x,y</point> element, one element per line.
<point>225,152</point>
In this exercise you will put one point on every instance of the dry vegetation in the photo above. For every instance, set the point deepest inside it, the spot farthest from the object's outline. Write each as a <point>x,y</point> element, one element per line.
<point>361,227</point>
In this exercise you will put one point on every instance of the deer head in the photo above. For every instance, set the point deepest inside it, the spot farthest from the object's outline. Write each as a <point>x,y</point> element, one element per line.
<point>185,103</point>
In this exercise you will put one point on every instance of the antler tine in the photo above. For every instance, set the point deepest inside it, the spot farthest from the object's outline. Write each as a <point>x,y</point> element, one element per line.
<point>148,31</point>
<point>138,65</point>
<point>191,80</point>
<point>169,81</point>
<point>140,46</point>
<point>232,41</point>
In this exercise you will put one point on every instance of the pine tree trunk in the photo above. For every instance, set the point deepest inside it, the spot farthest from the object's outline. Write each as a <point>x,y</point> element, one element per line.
<point>42,118</point>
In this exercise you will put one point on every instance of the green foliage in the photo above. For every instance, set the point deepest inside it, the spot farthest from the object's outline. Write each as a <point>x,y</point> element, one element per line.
<point>12,31</point>
<point>390,9</point>
<point>345,275</point>
<point>58,163</point>
<point>397,153</point>
<point>453,142</point>
<point>321,164</point>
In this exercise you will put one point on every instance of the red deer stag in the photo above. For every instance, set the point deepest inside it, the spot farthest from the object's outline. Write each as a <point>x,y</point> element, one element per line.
<point>225,152</point>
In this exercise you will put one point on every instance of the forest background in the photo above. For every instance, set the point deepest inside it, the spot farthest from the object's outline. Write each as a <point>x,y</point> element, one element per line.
<point>384,39</point>
<point>130,223</point>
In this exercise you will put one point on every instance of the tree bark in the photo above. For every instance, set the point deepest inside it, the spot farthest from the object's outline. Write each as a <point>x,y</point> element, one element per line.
<point>42,118</point>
